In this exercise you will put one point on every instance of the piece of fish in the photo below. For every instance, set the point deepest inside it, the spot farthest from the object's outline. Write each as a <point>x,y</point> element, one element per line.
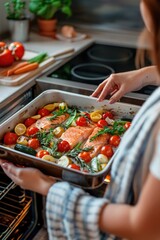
<point>97,143</point>
<point>77,134</point>
<point>46,123</point>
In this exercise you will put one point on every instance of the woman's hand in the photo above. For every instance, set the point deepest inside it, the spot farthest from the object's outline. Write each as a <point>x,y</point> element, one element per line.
<point>28,178</point>
<point>116,85</point>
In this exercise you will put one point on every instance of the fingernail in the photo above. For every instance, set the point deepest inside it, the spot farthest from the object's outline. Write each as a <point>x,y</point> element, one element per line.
<point>111,101</point>
<point>4,165</point>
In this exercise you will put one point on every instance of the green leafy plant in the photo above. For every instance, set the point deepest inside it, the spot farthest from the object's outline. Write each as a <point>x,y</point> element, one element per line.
<point>15,9</point>
<point>46,9</point>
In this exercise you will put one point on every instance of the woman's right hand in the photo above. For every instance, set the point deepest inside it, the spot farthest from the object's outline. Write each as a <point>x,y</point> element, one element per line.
<point>116,85</point>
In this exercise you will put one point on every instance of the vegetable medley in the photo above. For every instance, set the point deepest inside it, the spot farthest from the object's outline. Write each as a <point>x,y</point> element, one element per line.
<point>69,137</point>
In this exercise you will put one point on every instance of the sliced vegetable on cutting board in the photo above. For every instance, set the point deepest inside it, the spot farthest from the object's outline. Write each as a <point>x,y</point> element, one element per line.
<point>13,76</point>
<point>26,66</point>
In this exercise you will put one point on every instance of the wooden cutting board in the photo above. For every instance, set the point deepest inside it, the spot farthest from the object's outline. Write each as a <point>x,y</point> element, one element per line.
<point>15,80</point>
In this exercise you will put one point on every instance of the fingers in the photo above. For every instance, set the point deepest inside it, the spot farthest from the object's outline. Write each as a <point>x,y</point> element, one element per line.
<point>12,172</point>
<point>99,89</point>
<point>109,88</point>
<point>116,96</point>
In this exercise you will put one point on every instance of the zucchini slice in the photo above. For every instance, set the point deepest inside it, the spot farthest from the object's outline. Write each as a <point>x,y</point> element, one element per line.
<point>25,149</point>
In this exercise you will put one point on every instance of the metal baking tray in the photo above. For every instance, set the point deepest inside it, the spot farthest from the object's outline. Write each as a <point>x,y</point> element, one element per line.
<point>85,180</point>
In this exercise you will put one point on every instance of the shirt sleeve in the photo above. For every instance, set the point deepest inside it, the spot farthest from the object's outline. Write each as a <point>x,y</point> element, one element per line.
<point>155,164</point>
<point>72,213</point>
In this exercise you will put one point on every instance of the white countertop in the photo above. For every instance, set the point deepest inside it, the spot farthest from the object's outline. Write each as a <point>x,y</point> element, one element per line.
<point>39,43</point>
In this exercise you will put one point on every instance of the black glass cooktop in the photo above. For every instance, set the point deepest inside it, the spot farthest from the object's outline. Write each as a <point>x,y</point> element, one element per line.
<point>97,62</point>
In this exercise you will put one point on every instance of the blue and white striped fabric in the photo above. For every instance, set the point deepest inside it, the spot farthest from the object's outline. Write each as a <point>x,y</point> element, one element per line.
<point>72,214</point>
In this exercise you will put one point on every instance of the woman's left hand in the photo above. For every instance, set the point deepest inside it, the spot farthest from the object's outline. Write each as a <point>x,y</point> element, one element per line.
<point>28,178</point>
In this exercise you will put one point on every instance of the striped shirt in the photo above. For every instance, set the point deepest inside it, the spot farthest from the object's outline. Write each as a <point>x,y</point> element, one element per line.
<point>72,214</point>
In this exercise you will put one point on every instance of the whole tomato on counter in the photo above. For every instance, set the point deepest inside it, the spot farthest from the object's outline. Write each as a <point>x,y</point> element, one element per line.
<point>17,50</point>
<point>3,45</point>
<point>6,57</point>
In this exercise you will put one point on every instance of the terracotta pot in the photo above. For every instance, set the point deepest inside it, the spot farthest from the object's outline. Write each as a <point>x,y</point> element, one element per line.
<point>47,27</point>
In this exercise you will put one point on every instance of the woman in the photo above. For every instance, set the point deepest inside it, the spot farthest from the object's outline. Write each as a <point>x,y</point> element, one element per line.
<point>131,206</point>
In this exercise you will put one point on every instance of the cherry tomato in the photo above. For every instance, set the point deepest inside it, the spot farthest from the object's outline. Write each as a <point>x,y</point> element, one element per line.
<point>74,166</point>
<point>29,121</point>
<point>6,58</point>
<point>34,143</point>
<point>102,123</point>
<point>107,150</point>
<point>32,130</point>
<point>114,140</point>
<point>85,156</point>
<point>81,121</point>
<point>127,125</point>
<point>107,114</point>
<point>43,112</point>
<point>10,138</point>
<point>87,115</point>
<point>63,146</point>
<point>42,153</point>
<point>17,49</point>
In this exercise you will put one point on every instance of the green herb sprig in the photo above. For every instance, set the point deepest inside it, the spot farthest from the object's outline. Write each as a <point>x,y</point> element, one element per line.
<point>117,129</point>
<point>74,155</point>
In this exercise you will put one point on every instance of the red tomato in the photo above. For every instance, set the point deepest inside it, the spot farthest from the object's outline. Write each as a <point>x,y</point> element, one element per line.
<point>32,130</point>
<point>107,150</point>
<point>87,115</point>
<point>107,114</point>
<point>85,156</point>
<point>17,49</point>
<point>42,153</point>
<point>127,125</point>
<point>43,112</point>
<point>63,146</point>
<point>6,58</point>
<point>34,143</point>
<point>81,121</point>
<point>29,121</point>
<point>3,45</point>
<point>74,166</point>
<point>10,138</point>
<point>114,140</point>
<point>102,123</point>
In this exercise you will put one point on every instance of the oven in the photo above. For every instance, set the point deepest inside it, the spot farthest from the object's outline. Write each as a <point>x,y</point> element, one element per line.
<point>85,71</point>
<point>19,215</point>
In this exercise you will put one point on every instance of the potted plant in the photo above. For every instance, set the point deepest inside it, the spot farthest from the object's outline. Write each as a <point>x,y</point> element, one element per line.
<point>45,11</point>
<point>18,21</point>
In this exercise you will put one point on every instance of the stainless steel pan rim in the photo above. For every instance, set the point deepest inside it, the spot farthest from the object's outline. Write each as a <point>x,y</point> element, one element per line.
<point>85,180</point>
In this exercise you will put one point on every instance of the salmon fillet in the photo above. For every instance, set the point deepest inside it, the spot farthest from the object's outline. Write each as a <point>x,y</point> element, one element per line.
<point>74,135</point>
<point>46,123</point>
<point>97,143</point>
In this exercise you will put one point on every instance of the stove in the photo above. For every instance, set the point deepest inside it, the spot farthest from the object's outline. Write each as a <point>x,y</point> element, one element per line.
<point>84,72</point>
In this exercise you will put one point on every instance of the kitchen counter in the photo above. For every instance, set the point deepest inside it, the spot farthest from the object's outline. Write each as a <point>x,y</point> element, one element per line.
<point>39,43</point>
